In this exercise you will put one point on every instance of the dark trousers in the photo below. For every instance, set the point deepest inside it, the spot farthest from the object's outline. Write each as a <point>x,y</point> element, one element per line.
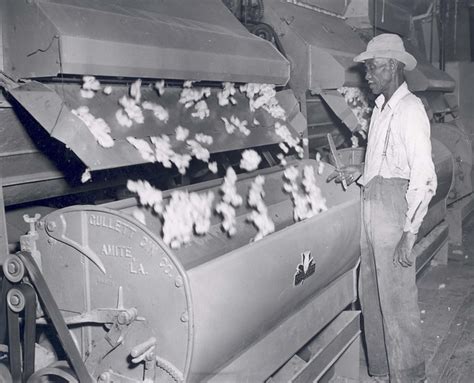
<point>388,291</point>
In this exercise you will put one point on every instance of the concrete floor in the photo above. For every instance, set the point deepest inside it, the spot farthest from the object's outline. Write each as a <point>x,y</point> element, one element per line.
<point>446,299</point>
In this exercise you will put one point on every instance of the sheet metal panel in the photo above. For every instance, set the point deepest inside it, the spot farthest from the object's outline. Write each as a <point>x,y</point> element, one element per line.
<point>320,47</point>
<point>183,39</point>
<point>51,107</point>
<point>135,262</point>
<point>339,105</point>
<point>28,173</point>
<point>392,15</point>
<point>425,77</point>
<point>222,296</point>
<point>336,6</point>
<point>459,144</point>
<point>197,329</point>
<point>255,281</point>
<point>1,41</point>
<point>3,228</point>
<point>272,351</point>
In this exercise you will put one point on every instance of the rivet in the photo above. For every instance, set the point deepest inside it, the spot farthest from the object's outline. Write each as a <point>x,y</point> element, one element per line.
<point>51,226</point>
<point>178,281</point>
<point>51,241</point>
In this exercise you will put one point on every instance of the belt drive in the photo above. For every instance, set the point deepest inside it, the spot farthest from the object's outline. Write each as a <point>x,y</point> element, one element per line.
<point>51,309</point>
<point>21,297</point>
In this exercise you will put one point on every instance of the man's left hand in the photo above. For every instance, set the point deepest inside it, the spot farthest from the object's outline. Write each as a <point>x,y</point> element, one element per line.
<point>403,252</point>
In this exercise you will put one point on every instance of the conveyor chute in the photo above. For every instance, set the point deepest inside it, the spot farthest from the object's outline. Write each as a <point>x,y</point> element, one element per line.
<point>51,105</point>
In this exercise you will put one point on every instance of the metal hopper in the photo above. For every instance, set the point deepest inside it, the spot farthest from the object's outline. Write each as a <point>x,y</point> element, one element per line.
<point>49,45</point>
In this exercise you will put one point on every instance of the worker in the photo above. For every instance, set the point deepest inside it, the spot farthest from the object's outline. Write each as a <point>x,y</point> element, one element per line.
<point>397,181</point>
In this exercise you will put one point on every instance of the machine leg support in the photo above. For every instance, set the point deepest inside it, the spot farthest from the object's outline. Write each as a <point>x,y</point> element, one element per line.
<point>347,366</point>
<point>454,220</point>
<point>441,257</point>
<point>456,214</point>
<point>332,354</point>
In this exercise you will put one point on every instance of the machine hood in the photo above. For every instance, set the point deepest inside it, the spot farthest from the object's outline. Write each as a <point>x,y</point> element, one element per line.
<point>170,39</point>
<point>321,46</point>
<point>426,77</point>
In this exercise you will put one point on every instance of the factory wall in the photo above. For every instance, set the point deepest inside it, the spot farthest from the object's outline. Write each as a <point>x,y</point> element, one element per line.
<point>457,30</point>
<point>1,43</point>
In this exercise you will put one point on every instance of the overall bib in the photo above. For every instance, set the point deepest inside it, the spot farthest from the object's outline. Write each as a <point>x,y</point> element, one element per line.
<point>388,292</point>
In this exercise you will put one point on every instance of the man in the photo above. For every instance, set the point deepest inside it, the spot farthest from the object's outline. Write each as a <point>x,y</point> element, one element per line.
<point>398,182</point>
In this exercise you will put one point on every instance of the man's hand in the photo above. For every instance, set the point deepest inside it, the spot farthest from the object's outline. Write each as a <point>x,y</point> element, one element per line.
<point>403,253</point>
<point>350,173</point>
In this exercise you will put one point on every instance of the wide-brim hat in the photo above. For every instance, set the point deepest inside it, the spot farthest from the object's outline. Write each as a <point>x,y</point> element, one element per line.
<point>389,46</point>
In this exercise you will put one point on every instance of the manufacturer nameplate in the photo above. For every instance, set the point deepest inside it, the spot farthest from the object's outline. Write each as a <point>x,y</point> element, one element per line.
<point>112,223</point>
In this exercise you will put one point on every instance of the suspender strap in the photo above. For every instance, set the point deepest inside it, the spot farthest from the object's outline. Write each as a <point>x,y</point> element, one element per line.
<point>385,146</point>
<point>387,137</point>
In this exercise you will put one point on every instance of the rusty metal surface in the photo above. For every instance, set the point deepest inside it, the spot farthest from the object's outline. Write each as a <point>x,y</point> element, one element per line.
<point>182,39</point>
<point>51,106</point>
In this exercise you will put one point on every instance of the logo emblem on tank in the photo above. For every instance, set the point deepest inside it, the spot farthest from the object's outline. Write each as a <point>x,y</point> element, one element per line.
<point>305,269</point>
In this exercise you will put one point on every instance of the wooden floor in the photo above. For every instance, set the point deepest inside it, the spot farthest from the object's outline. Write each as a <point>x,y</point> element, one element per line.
<point>446,299</point>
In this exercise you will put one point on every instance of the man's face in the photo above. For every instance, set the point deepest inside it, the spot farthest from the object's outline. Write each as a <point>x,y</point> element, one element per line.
<point>379,74</point>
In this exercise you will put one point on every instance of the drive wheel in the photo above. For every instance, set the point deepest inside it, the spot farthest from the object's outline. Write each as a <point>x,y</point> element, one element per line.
<point>56,372</point>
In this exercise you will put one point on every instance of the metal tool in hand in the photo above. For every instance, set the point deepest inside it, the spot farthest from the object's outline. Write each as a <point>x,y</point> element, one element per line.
<point>337,160</point>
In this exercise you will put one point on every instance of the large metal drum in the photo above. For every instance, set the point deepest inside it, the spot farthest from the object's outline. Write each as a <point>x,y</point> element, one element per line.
<point>207,302</point>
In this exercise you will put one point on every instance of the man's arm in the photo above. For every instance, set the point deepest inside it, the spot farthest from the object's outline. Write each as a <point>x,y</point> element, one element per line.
<point>423,182</point>
<point>415,133</point>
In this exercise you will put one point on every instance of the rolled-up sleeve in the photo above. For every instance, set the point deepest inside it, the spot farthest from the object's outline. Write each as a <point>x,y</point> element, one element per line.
<point>422,182</point>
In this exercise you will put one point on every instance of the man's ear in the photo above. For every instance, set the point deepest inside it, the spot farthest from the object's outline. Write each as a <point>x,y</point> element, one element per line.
<point>393,65</point>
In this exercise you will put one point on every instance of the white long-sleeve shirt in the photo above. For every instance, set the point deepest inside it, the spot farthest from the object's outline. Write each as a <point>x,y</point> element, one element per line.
<point>408,153</point>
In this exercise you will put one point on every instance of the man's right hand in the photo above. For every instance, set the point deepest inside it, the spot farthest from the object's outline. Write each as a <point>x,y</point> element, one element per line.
<point>350,173</point>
